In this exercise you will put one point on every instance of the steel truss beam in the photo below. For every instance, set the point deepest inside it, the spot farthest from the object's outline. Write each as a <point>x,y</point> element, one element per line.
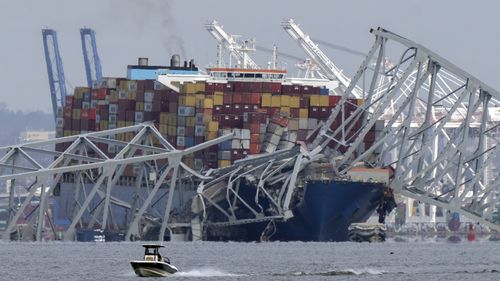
<point>88,158</point>
<point>428,100</point>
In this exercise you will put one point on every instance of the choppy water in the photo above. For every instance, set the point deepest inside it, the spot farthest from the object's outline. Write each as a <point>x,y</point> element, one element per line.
<point>257,261</point>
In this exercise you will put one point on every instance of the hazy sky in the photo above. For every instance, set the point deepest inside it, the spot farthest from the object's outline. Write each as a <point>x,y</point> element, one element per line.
<point>465,32</point>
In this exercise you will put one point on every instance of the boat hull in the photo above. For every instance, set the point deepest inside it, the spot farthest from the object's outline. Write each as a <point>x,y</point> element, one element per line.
<point>152,269</point>
<point>327,210</point>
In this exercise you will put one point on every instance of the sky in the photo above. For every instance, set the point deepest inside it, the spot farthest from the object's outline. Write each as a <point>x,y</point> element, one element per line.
<point>466,33</point>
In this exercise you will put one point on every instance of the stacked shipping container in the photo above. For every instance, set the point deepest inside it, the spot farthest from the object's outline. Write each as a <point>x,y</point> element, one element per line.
<point>264,116</point>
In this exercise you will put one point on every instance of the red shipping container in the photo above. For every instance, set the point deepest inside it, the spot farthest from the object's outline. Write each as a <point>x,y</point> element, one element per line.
<point>237,98</point>
<point>172,107</point>
<point>274,111</point>
<point>255,98</point>
<point>207,111</point>
<point>254,148</point>
<point>255,137</point>
<point>198,140</point>
<point>218,109</point>
<point>69,101</point>
<point>68,112</point>
<point>130,115</point>
<point>254,128</point>
<point>227,109</point>
<point>75,125</point>
<point>84,114</point>
<point>314,112</point>
<point>189,131</point>
<point>227,98</point>
<point>333,100</point>
<point>139,97</point>
<point>294,112</point>
<point>246,98</point>
<point>209,87</point>
<point>149,84</point>
<point>91,113</point>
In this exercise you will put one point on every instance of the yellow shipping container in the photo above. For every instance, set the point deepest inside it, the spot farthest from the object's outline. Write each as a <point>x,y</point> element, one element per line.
<point>294,102</point>
<point>303,113</point>
<point>129,123</point>
<point>190,121</point>
<point>207,118</point>
<point>113,96</point>
<point>131,95</point>
<point>139,106</point>
<point>200,86</point>
<point>172,130</point>
<point>275,101</point>
<point>208,103</point>
<point>188,88</point>
<point>218,98</point>
<point>67,133</point>
<point>224,163</point>
<point>163,129</point>
<point>172,119</point>
<point>266,100</point>
<point>285,109</point>
<point>103,125</point>
<point>323,100</point>
<point>76,114</point>
<point>285,100</point>
<point>211,135</point>
<point>120,124</point>
<point>163,117</point>
<point>314,101</point>
<point>360,102</point>
<point>190,100</point>
<point>213,126</point>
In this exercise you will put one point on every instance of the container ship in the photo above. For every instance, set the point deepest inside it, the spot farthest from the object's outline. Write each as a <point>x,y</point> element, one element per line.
<point>264,109</point>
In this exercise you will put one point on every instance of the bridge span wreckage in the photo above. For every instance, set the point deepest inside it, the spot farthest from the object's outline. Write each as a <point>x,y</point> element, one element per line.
<point>438,136</point>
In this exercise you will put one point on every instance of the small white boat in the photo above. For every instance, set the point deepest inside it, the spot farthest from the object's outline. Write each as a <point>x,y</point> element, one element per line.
<point>153,265</point>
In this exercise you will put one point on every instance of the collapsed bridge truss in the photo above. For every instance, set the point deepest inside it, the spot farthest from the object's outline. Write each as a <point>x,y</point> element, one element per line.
<point>438,134</point>
<point>98,160</point>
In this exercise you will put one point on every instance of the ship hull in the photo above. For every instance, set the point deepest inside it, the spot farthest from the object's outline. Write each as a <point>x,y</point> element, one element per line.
<point>324,214</point>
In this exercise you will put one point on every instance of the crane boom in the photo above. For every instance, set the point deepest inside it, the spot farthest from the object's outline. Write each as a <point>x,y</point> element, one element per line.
<point>55,72</point>
<point>329,69</point>
<point>90,55</point>
<point>229,42</point>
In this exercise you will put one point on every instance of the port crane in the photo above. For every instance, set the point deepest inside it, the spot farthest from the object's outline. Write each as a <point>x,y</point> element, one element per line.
<point>238,50</point>
<point>55,71</point>
<point>327,67</point>
<point>90,56</point>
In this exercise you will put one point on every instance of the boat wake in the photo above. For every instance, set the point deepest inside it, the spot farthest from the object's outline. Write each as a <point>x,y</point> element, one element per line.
<point>206,272</point>
<point>365,271</point>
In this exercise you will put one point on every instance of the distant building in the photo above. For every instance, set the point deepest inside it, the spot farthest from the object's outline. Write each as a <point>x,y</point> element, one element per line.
<point>29,136</point>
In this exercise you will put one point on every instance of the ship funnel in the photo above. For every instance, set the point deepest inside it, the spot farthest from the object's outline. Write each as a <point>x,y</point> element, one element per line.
<point>175,61</point>
<point>143,62</point>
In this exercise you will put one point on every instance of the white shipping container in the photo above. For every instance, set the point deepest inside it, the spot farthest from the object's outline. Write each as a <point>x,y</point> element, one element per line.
<point>181,121</point>
<point>122,95</point>
<point>224,155</point>
<point>181,131</point>
<point>245,134</point>
<point>293,124</point>
<point>112,119</point>
<point>148,96</point>
<point>245,144</point>
<point>303,123</point>
<point>181,141</point>
<point>148,107</point>
<point>139,116</point>
<point>199,130</point>
<point>235,144</point>
<point>312,123</point>
<point>237,133</point>
<point>113,108</point>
